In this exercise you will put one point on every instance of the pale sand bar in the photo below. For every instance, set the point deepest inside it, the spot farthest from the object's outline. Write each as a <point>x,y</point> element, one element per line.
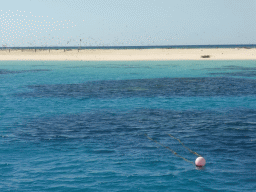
<point>129,54</point>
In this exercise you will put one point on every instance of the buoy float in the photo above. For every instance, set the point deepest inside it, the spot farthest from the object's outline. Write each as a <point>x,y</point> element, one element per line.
<point>200,162</point>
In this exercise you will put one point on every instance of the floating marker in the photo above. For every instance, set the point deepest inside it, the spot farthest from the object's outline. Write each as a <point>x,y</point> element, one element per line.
<point>200,162</point>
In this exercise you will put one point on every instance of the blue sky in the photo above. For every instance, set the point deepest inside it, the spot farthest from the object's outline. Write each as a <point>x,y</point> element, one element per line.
<point>127,23</point>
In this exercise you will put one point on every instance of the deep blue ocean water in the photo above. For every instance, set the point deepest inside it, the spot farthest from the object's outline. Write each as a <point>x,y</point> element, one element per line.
<point>80,126</point>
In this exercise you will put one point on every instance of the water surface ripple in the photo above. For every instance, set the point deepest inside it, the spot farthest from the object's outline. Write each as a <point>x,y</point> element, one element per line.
<point>80,126</point>
<point>165,87</point>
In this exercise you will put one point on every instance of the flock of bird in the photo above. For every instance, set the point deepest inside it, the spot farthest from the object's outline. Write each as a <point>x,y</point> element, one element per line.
<point>21,28</point>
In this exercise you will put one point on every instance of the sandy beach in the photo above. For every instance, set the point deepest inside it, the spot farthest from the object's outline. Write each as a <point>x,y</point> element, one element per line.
<point>129,54</point>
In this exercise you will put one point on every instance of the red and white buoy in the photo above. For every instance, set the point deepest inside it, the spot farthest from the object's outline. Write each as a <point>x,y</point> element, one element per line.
<point>200,162</point>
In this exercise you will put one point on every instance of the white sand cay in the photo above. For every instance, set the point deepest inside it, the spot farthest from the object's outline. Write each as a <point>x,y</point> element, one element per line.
<point>130,54</point>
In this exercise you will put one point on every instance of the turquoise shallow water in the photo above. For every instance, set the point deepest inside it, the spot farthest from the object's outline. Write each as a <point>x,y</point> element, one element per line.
<point>80,126</point>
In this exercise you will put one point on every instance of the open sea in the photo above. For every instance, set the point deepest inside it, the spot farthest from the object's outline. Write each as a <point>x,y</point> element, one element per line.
<point>85,126</point>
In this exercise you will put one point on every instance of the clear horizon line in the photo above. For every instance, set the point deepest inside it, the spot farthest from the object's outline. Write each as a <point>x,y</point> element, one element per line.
<point>133,46</point>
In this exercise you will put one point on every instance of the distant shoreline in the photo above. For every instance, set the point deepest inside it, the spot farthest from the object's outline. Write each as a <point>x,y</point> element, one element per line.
<point>226,46</point>
<point>154,54</point>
